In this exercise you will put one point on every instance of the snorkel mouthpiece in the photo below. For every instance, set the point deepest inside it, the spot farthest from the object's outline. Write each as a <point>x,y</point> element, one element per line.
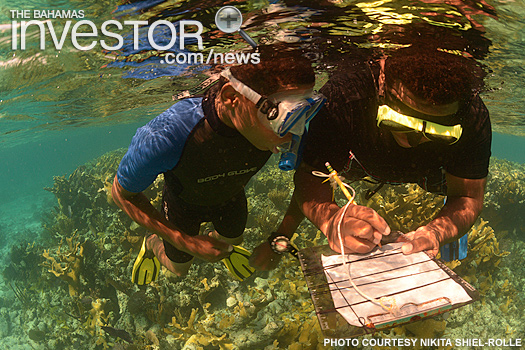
<point>289,156</point>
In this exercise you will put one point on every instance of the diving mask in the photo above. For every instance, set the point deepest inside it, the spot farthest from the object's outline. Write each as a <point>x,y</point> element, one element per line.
<point>392,120</point>
<point>282,114</point>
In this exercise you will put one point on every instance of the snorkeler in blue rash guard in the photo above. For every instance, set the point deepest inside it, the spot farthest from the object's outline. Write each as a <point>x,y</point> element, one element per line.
<point>208,148</point>
<point>415,117</point>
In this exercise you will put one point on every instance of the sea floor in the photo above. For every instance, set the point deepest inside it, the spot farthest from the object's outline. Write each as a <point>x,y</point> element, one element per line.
<point>67,268</point>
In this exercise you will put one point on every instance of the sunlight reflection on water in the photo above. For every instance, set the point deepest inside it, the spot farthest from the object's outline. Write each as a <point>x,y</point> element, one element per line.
<point>42,90</point>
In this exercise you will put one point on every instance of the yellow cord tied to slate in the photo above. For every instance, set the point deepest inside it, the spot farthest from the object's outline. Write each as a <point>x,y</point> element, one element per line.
<point>387,303</point>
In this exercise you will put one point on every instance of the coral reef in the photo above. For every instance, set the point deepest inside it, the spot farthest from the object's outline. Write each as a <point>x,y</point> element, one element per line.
<point>405,207</point>
<point>69,264</point>
<point>504,204</point>
<point>72,290</point>
<point>483,245</point>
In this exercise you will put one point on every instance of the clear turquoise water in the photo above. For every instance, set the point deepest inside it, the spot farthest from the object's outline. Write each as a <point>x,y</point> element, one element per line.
<point>510,147</point>
<point>59,110</point>
<point>56,115</point>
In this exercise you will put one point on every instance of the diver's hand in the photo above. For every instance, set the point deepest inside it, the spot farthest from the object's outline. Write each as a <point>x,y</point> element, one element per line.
<point>361,229</point>
<point>208,248</point>
<point>424,238</point>
<point>264,258</point>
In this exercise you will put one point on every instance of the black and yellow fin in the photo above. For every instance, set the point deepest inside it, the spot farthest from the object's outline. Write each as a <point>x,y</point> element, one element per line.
<point>238,263</point>
<point>146,267</point>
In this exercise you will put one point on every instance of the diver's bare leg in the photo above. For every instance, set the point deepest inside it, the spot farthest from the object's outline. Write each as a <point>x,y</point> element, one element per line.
<point>153,242</point>
<point>232,241</point>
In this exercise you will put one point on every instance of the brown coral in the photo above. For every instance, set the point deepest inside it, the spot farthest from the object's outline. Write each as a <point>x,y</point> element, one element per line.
<point>69,264</point>
<point>405,207</point>
<point>195,333</point>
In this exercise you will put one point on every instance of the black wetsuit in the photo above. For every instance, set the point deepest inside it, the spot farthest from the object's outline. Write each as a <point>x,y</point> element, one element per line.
<point>348,124</point>
<point>205,163</point>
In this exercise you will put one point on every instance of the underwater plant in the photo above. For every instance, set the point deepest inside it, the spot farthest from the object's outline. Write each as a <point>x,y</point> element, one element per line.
<point>81,272</point>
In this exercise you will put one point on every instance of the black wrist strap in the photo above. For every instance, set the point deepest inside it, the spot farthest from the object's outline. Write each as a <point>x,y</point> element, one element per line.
<point>273,235</point>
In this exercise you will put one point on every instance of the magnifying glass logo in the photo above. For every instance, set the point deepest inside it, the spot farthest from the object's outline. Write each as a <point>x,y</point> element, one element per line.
<point>229,20</point>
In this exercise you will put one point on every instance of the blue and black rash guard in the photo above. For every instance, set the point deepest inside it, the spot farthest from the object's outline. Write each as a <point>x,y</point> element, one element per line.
<point>204,162</point>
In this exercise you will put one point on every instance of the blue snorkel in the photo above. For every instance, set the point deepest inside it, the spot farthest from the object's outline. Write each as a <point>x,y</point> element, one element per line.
<point>291,154</point>
<point>289,157</point>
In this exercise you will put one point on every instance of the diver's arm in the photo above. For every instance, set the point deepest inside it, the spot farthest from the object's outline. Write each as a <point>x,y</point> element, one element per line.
<point>263,257</point>
<point>464,203</point>
<point>463,206</point>
<point>292,219</point>
<point>140,209</point>
<point>314,198</point>
<point>362,228</point>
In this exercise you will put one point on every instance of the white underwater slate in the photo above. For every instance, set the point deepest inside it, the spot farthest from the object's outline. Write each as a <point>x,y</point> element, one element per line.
<point>416,283</point>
